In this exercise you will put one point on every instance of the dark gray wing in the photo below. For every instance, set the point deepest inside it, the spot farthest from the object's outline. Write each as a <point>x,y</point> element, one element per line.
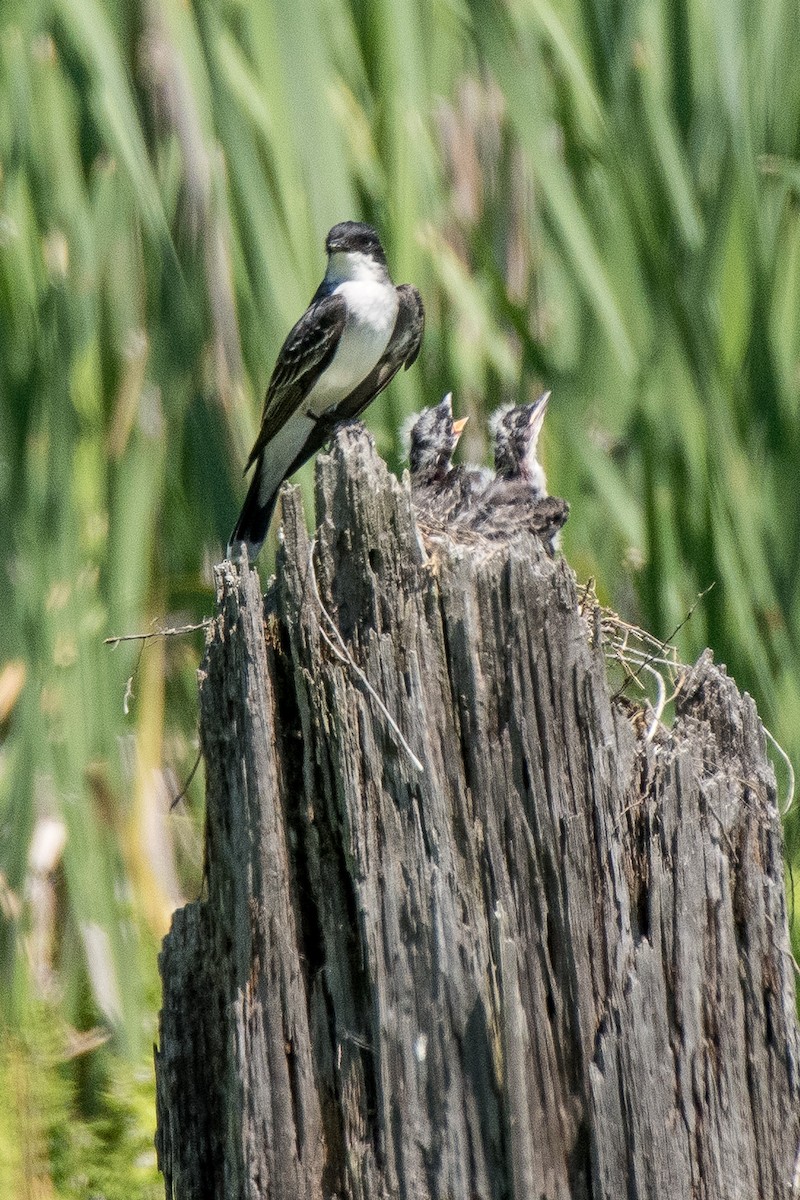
<point>402,351</point>
<point>409,326</point>
<point>305,354</point>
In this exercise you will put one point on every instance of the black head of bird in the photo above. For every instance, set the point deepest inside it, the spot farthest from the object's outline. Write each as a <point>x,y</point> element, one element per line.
<point>432,441</point>
<point>354,238</point>
<point>516,437</point>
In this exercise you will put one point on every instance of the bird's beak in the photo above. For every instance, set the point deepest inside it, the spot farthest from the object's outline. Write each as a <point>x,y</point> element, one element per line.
<point>538,414</point>
<point>540,406</point>
<point>458,426</point>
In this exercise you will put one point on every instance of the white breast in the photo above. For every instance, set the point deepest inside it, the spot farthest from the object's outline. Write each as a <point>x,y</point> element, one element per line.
<point>536,476</point>
<point>371,314</point>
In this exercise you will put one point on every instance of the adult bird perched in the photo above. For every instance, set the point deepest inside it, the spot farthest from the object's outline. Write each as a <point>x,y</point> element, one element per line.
<point>432,439</point>
<point>356,334</point>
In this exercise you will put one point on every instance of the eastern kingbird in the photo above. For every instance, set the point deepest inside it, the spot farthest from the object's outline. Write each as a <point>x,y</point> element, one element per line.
<point>432,439</point>
<point>516,500</point>
<point>516,436</point>
<point>356,334</point>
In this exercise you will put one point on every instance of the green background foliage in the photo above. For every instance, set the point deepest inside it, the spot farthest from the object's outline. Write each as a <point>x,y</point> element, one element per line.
<point>596,197</point>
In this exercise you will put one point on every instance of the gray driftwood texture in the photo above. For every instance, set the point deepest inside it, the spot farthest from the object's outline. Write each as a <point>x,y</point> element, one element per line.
<point>553,963</point>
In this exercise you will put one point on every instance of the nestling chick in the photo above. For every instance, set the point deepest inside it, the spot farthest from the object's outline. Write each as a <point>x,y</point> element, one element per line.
<point>516,437</point>
<point>517,501</point>
<point>433,437</point>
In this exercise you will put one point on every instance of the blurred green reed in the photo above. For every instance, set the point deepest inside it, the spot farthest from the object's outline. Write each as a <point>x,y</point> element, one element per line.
<point>595,197</point>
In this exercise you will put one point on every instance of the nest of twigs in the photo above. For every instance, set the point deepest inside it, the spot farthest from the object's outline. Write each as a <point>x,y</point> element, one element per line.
<point>652,673</point>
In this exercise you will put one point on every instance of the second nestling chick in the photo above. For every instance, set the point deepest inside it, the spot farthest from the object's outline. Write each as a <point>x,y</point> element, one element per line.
<point>433,437</point>
<point>516,438</point>
<point>517,501</point>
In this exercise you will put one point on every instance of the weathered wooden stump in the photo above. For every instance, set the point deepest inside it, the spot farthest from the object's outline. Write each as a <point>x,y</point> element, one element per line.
<point>552,963</point>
